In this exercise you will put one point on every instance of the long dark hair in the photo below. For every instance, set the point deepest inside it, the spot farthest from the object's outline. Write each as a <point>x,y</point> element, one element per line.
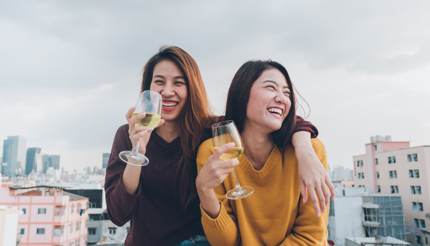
<point>238,97</point>
<point>195,116</point>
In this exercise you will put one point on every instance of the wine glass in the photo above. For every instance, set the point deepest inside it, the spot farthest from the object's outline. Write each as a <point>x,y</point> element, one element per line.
<point>149,103</point>
<point>226,132</point>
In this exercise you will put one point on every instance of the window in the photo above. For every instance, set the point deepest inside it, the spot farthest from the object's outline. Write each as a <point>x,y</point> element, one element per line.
<point>360,163</point>
<point>418,239</point>
<point>92,231</point>
<point>23,211</point>
<point>360,175</point>
<point>394,189</point>
<point>415,189</point>
<point>376,161</point>
<point>40,231</point>
<point>393,174</point>
<point>377,175</point>
<point>412,157</point>
<point>391,159</point>
<point>417,206</point>
<point>22,231</point>
<point>378,189</point>
<point>415,173</point>
<point>41,211</point>
<point>112,230</point>
<point>418,189</point>
<point>420,223</point>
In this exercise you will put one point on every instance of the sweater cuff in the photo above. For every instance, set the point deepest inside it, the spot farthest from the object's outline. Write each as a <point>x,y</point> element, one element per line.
<point>127,197</point>
<point>220,222</point>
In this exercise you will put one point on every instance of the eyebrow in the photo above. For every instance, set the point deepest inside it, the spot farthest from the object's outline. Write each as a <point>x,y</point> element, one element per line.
<point>274,82</point>
<point>162,77</point>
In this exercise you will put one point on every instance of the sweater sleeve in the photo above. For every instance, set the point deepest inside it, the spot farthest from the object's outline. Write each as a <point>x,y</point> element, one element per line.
<point>305,126</point>
<point>120,203</point>
<point>221,230</point>
<point>309,229</point>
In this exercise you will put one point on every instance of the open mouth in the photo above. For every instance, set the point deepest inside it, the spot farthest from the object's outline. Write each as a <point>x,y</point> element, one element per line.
<point>169,105</point>
<point>276,111</point>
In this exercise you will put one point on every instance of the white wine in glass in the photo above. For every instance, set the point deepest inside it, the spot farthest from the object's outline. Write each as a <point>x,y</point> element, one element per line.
<point>148,103</point>
<point>223,133</point>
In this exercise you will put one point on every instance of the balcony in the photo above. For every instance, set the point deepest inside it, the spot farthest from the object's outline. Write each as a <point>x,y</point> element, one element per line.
<point>370,205</point>
<point>59,220</point>
<point>371,224</point>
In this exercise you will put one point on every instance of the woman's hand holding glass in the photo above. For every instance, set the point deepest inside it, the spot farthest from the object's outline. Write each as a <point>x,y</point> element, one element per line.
<point>215,169</point>
<point>142,120</point>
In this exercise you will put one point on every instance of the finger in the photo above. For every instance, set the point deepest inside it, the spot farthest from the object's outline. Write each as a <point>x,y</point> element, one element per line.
<point>321,197</point>
<point>129,113</point>
<point>303,192</point>
<point>314,200</point>
<point>227,164</point>
<point>161,123</point>
<point>326,192</point>
<point>221,150</point>
<point>330,186</point>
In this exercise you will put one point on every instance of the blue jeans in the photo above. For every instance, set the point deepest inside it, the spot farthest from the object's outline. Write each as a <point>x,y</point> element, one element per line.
<point>197,240</point>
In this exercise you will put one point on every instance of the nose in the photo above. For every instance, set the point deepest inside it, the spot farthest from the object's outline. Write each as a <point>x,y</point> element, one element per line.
<point>281,98</point>
<point>167,91</point>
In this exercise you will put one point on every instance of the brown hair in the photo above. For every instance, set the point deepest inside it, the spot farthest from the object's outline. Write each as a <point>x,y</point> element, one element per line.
<point>238,97</point>
<point>196,115</point>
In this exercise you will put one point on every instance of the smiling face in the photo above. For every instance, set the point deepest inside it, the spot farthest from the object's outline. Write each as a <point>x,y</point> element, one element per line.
<point>269,101</point>
<point>169,81</point>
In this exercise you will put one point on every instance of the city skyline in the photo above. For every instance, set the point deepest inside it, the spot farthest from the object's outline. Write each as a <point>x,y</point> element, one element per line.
<point>70,70</point>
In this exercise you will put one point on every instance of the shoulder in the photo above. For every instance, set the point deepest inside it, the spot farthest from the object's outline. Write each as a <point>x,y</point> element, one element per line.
<point>320,151</point>
<point>123,129</point>
<point>317,144</point>
<point>121,136</point>
<point>204,151</point>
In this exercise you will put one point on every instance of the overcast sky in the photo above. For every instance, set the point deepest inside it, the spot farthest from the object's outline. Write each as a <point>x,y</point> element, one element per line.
<point>69,70</point>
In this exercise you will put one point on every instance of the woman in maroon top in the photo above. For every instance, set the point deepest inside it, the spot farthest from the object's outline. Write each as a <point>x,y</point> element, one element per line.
<point>160,200</point>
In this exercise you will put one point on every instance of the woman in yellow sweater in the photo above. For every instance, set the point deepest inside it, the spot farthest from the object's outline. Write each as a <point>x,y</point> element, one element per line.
<point>261,104</point>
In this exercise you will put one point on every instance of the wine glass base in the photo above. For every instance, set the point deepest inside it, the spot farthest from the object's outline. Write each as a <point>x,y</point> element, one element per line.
<point>134,159</point>
<point>239,192</point>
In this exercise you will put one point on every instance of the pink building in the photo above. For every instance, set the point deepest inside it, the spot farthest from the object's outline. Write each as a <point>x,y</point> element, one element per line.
<point>48,215</point>
<point>390,167</point>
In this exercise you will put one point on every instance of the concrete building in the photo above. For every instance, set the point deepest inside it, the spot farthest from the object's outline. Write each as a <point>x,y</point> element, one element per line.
<point>340,174</point>
<point>105,160</point>
<point>50,161</point>
<point>13,156</point>
<point>372,241</point>
<point>8,226</point>
<point>33,160</point>
<point>394,167</point>
<point>356,213</point>
<point>48,215</point>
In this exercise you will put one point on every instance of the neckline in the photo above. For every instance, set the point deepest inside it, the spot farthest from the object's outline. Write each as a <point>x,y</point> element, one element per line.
<point>270,162</point>
<point>162,141</point>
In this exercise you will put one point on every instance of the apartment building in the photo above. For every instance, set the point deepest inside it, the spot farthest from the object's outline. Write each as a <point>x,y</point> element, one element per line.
<point>395,167</point>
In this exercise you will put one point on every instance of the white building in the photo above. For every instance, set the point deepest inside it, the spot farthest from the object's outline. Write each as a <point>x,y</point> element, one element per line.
<point>8,226</point>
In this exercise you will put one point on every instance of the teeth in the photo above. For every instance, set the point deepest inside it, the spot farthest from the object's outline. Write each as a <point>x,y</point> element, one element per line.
<point>275,110</point>
<point>170,104</point>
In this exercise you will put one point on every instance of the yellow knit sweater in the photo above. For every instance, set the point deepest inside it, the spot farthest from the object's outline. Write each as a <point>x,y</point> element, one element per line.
<point>275,213</point>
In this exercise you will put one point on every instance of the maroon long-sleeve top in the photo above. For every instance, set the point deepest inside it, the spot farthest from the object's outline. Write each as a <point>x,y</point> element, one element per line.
<point>157,212</point>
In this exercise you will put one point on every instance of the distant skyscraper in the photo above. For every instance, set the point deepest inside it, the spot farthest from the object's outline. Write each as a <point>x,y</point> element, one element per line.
<point>50,161</point>
<point>33,160</point>
<point>105,160</point>
<point>13,156</point>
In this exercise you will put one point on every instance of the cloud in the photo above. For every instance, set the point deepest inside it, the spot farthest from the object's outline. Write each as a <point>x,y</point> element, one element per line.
<point>70,69</point>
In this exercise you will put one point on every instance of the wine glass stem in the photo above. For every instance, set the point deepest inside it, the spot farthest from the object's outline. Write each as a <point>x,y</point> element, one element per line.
<point>235,180</point>
<point>135,149</point>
